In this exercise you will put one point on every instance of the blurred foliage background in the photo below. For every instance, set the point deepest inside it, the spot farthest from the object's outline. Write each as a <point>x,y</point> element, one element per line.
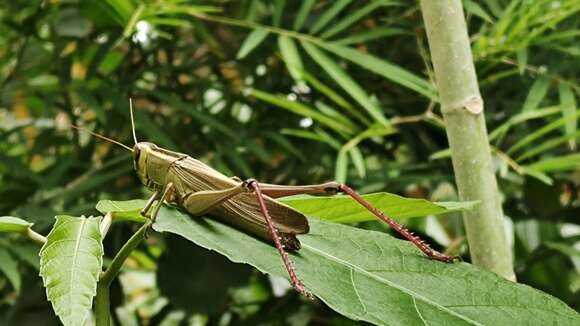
<point>290,92</point>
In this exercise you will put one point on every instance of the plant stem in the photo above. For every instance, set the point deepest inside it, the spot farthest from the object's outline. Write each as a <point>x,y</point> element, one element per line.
<point>36,237</point>
<point>462,109</point>
<point>102,304</point>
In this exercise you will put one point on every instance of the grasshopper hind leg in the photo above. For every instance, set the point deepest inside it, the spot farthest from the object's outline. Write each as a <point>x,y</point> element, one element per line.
<point>296,282</point>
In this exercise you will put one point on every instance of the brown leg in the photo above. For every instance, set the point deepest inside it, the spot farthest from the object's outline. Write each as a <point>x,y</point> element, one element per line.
<point>166,193</point>
<point>276,191</point>
<point>149,203</point>
<point>253,184</point>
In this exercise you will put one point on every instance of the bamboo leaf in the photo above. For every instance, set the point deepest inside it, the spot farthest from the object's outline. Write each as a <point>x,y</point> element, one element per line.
<point>372,34</point>
<point>9,266</point>
<point>341,167</point>
<point>300,109</point>
<point>342,209</point>
<point>346,82</point>
<point>536,95</point>
<point>328,15</point>
<point>252,41</point>
<point>13,224</point>
<point>278,10</point>
<point>568,105</point>
<point>561,163</point>
<point>383,68</point>
<point>354,17</point>
<point>370,276</point>
<point>291,57</point>
<point>475,9</point>
<point>303,14</point>
<point>70,264</point>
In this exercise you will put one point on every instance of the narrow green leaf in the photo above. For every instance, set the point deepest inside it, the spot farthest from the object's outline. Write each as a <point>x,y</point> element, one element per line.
<point>373,34</point>
<point>568,105</point>
<point>342,209</point>
<point>255,38</point>
<point>70,264</point>
<point>536,95</point>
<point>278,10</point>
<point>383,68</point>
<point>475,9</point>
<point>9,266</point>
<point>299,108</point>
<point>561,163</point>
<point>370,276</point>
<point>328,15</point>
<point>291,57</point>
<point>500,131</point>
<point>563,248</point>
<point>341,167</point>
<point>334,96</point>
<point>358,161</point>
<point>548,144</point>
<point>13,224</point>
<point>334,114</point>
<point>352,18</point>
<point>346,82</point>
<point>303,14</point>
<point>542,131</point>
<point>522,55</point>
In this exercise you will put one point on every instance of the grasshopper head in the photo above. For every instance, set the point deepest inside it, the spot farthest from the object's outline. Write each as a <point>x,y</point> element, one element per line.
<point>142,152</point>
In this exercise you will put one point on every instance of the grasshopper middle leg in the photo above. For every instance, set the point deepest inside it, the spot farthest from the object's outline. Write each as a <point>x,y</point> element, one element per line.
<point>332,188</point>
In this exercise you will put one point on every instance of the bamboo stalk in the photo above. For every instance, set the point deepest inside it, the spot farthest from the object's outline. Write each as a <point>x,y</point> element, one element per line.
<point>462,108</point>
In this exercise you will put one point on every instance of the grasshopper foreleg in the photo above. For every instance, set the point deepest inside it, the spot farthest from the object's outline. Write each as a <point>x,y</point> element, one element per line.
<point>296,283</point>
<point>149,203</point>
<point>332,188</point>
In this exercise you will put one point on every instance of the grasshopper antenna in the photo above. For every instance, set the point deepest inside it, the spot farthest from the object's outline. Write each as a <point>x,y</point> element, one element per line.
<point>103,137</point>
<point>132,120</point>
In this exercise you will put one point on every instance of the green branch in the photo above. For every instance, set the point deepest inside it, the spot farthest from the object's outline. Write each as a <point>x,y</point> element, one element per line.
<point>102,304</point>
<point>462,108</point>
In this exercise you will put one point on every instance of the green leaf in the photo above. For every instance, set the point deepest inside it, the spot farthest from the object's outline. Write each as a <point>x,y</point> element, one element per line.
<point>373,277</point>
<point>13,224</point>
<point>536,95</point>
<point>346,82</point>
<point>302,14</point>
<point>255,38</point>
<point>568,105</point>
<point>328,15</point>
<point>561,163</point>
<point>353,17</point>
<point>341,167</point>
<point>373,34</point>
<point>300,109</point>
<point>343,209</point>
<point>383,68</point>
<point>123,213</point>
<point>70,264</point>
<point>475,9</point>
<point>291,57</point>
<point>9,266</point>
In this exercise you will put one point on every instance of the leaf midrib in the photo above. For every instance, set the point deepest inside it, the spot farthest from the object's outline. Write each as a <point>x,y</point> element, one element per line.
<point>389,283</point>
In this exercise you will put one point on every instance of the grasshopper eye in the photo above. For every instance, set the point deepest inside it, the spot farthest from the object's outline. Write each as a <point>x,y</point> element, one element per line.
<point>136,153</point>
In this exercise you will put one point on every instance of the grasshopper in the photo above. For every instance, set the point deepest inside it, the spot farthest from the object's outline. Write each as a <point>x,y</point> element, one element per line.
<point>248,205</point>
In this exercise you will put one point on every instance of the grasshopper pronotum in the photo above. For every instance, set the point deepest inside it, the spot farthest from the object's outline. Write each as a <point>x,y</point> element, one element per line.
<point>248,205</point>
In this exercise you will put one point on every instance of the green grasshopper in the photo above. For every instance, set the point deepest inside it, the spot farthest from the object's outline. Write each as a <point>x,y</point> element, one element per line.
<point>245,204</point>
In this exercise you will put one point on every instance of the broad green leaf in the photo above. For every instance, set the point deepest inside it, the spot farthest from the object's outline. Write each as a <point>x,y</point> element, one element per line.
<point>383,68</point>
<point>291,57</point>
<point>346,82</point>
<point>303,14</point>
<point>568,105</point>
<point>373,277</point>
<point>255,38</point>
<point>343,209</point>
<point>9,267</point>
<point>328,15</point>
<point>536,95</point>
<point>70,264</point>
<point>13,224</point>
<point>123,213</point>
